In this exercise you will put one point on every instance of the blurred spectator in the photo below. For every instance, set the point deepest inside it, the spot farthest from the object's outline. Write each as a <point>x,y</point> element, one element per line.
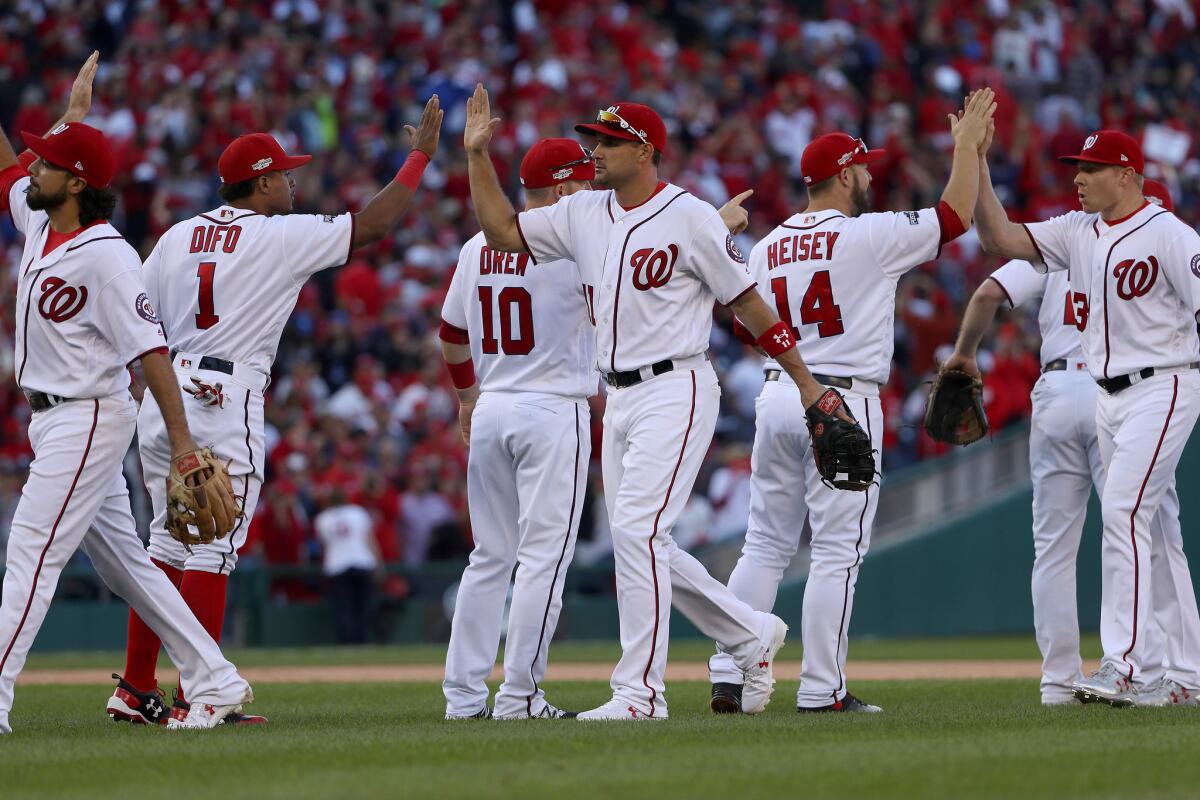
<point>347,535</point>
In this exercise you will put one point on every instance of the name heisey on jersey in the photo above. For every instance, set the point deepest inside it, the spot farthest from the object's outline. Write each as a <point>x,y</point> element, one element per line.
<point>816,246</point>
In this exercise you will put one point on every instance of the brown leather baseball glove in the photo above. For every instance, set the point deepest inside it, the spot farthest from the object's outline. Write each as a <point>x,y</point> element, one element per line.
<point>954,412</point>
<point>201,505</point>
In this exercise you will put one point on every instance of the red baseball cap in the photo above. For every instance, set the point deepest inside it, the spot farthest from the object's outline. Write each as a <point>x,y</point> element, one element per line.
<point>828,155</point>
<point>632,121</point>
<point>1112,148</point>
<point>552,161</point>
<point>80,149</point>
<point>255,154</point>
<point>1158,194</point>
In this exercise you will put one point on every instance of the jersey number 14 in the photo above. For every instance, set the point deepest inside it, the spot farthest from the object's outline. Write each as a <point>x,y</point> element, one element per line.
<point>816,307</point>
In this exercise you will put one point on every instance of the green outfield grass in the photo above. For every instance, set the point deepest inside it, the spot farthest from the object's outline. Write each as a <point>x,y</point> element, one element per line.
<point>952,739</point>
<point>990,647</point>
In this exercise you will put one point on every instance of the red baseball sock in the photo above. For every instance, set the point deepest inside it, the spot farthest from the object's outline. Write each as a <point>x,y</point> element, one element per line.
<point>142,644</point>
<point>204,593</point>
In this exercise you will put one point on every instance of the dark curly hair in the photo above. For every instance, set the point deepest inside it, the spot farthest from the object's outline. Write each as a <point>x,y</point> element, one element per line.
<point>230,192</point>
<point>96,204</point>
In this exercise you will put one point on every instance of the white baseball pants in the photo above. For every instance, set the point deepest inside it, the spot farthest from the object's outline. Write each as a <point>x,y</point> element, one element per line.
<point>77,495</point>
<point>1142,432</point>
<point>785,487</point>
<point>234,431</point>
<point>526,476</point>
<point>656,434</point>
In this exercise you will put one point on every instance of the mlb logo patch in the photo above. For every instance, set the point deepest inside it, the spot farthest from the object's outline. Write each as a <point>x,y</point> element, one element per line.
<point>186,363</point>
<point>225,212</point>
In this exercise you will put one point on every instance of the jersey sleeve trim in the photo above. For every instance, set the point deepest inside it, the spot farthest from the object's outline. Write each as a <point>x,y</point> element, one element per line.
<point>1033,241</point>
<point>950,225</point>
<point>8,179</point>
<point>521,233</point>
<point>453,334</point>
<point>1007,296</point>
<point>350,247</point>
<point>742,294</point>
<point>161,349</point>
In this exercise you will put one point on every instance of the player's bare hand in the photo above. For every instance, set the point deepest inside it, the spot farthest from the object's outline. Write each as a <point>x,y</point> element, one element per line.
<point>425,136</point>
<point>970,127</point>
<point>986,144</point>
<point>465,409</point>
<point>480,123</point>
<point>813,392</point>
<point>963,362</point>
<point>80,102</point>
<point>734,216</point>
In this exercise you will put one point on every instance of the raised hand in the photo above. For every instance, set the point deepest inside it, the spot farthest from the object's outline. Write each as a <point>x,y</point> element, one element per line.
<point>80,102</point>
<point>734,216</point>
<point>480,123</point>
<point>425,136</point>
<point>971,125</point>
<point>964,362</point>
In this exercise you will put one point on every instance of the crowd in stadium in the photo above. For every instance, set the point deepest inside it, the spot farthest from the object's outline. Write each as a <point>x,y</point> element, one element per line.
<point>359,399</point>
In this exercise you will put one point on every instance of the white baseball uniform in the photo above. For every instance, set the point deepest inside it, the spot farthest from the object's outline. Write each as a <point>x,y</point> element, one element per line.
<point>225,283</point>
<point>833,279</point>
<point>533,345</point>
<point>82,317</point>
<point>657,269</point>
<point>1141,279</point>
<point>1064,459</point>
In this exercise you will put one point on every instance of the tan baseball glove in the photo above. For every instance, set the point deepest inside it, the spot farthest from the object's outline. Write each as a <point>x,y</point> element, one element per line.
<point>201,505</point>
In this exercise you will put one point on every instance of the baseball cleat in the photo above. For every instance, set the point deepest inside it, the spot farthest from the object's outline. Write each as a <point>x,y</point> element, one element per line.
<point>483,713</point>
<point>1167,693</point>
<point>726,698</point>
<point>202,716</point>
<point>548,712</point>
<point>1106,685</point>
<point>617,710</point>
<point>181,707</point>
<point>127,704</point>
<point>759,680</point>
<point>848,704</point>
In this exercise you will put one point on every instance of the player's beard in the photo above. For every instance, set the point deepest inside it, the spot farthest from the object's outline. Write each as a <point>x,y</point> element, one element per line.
<point>860,198</point>
<point>40,201</point>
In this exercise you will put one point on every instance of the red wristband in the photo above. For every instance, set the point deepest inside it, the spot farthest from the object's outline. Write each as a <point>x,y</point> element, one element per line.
<point>414,167</point>
<point>776,340</point>
<point>462,375</point>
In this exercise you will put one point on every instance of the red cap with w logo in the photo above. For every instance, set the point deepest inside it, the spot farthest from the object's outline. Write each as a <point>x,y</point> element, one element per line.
<point>79,149</point>
<point>1111,148</point>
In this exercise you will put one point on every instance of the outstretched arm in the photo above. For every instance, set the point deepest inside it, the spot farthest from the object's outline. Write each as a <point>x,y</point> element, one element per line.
<point>976,320</point>
<point>496,215</point>
<point>758,318</point>
<point>385,209</point>
<point>969,132</point>
<point>998,235</point>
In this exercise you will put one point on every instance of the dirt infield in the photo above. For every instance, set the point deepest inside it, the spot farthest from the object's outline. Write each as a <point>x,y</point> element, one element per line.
<point>577,671</point>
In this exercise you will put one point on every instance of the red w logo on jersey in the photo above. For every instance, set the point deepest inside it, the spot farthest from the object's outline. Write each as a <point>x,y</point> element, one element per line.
<point>1135,278</point>
<point>653,268</point>
<point>60,302</point>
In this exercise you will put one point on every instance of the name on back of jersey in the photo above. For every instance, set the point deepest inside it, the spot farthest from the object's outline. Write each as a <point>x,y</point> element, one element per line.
<point>205,238</point>
<point>497,262</point>
<point>814,246</point>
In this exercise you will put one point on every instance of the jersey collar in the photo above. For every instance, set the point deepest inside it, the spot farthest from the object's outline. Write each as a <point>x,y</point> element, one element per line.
<point>223,215</point>
<point>101,230</point>
<point>804,220</point>
<point>662,195</point>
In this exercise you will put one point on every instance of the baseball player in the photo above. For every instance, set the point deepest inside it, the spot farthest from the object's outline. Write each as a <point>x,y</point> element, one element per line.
<point>832,273</point>
<point>658,257</point>
<point>526,418</point>
<point>225,282</point>
<point>1135,267</point>
<point>83,316</point>
<point>1064,460</point>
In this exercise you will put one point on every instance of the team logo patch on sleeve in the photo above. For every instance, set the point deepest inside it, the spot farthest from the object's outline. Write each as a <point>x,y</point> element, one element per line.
<point>329,217</point>
<point>144,309</point>
<point>913,217</point>
<point>1196,265</point>
<point>732,249</point>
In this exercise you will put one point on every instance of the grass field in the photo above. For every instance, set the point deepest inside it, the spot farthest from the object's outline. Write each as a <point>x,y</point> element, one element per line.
<point>960,739</point>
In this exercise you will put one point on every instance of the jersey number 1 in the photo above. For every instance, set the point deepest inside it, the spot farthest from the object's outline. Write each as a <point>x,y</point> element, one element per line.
<point>817,307</point>
<point>206,318</point>
<point>508,297</point>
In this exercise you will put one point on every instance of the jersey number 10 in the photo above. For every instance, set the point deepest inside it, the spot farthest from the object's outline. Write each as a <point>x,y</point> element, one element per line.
<point>816,308</point>
<point>509,297</point>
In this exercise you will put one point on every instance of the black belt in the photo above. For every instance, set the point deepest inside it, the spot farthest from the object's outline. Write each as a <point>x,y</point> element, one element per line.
<point>210,362</point>
<point>623,380</point>
<point>828,380</point>
<point>1122,382</point>
<point>1055,365</point>
<point>40,401</point>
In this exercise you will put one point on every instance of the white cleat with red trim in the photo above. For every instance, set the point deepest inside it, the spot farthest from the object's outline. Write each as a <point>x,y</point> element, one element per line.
<point>618,710</point>
<point>1106,685</point>
<point>202,716</point>
<point>759,680</point>
<point>1165,692</point>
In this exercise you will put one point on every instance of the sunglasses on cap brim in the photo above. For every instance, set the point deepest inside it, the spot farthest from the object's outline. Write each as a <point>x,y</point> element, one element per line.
<point>613,118</point>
